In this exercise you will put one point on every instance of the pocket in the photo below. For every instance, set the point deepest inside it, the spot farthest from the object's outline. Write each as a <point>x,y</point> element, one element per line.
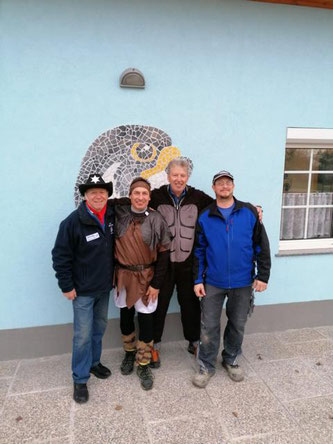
<point>172,231</point>
<point>188,216</point>
<point>168,212</point>
<point>187,232</point>
<point>186,239</point>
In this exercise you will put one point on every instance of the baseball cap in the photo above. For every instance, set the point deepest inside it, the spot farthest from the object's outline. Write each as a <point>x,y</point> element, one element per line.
<point>222,173</point>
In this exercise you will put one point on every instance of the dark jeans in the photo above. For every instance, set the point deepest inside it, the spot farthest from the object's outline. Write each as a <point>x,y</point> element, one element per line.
<point>90,319</point>
<point>145,321</point>
<point>179,275</point>
<point>237,310</point>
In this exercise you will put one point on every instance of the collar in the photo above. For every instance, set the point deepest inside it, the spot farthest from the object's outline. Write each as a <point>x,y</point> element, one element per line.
<point>214,211</point>
<point>143,212</point>
<point>175,198</point>
<point>99,214</point>
<point>89,219</point>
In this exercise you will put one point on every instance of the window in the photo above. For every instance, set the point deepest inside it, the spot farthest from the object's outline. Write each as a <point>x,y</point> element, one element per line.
<point>307,200</point>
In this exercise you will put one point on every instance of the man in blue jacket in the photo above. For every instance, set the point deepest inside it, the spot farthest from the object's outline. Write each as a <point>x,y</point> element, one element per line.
<point>231,260</point>
<point>83,261</point>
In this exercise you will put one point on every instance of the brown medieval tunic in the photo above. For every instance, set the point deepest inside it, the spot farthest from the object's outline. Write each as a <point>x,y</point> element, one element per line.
<point>131,250</point>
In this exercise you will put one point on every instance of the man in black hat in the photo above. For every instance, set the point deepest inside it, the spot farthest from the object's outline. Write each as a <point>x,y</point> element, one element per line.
<point>83,261</point>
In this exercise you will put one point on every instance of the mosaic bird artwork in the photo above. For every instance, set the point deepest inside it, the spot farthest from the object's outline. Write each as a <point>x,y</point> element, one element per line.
<point>125,152</point>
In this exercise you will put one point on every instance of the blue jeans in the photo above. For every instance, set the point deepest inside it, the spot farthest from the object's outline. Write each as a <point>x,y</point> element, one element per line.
<point>237,309</point>
<point>90,320</point>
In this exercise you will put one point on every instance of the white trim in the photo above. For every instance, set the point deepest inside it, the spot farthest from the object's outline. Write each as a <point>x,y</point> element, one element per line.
<point>306,244</point>
<point>307,171</point>
<point>308,138</point>
<point>308,197</point>
<point>307,206</point>
<point>310,144</point>
<point>311,135</point>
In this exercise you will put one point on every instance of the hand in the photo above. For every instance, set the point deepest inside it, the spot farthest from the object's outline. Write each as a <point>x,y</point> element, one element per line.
<point>71,295</point>
<point>260,212</point>
<point>259,286</point>
<point>152,294</point>
<point>199,290</point>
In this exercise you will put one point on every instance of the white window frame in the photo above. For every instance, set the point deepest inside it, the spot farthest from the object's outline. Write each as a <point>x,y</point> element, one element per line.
<point>308,138</point>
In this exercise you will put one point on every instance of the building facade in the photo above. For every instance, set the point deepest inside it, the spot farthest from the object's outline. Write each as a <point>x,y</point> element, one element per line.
<point>234,84</point>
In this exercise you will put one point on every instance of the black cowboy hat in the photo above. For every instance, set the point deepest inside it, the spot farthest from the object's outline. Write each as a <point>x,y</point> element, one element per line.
<point>96,181</point>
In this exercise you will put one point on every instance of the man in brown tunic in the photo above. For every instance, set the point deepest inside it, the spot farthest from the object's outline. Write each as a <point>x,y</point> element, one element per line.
<point>142,255</point>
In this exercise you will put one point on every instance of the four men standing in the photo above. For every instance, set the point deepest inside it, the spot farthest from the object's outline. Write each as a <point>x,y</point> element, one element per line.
<point>230,241</point>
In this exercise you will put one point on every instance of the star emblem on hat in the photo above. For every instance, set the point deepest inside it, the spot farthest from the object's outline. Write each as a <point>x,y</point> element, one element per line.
<point>95,179</point>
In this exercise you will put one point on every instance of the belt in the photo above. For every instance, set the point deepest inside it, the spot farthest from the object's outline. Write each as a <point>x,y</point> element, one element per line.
<point>135,267</point>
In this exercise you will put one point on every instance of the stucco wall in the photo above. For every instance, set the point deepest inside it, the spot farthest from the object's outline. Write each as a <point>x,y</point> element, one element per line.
<point>224,80</point>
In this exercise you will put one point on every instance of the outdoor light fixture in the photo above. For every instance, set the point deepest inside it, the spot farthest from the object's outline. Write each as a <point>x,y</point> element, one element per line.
<point>132,78</point>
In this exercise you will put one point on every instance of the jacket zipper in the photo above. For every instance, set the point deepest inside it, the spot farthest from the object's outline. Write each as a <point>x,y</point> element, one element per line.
<point>228,233</point>
<point>228,254</point>
<point>177,207</point>
<point>228,243</point>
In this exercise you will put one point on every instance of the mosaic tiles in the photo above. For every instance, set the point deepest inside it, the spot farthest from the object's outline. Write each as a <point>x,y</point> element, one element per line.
<point>125,152</point>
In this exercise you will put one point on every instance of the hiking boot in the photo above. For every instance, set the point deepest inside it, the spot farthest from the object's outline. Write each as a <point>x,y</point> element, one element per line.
<point>202,378</point>
<point>100,371</point>
<point>155,361</point>
<point>80,394</point>
<point>127,364</point>
<point>145,376</point>
<point>235,372</point>
<point>193,348</point>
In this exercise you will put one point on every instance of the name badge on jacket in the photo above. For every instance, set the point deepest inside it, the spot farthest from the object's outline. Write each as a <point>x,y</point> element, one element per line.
<point>92,237</point>
<point>111,227</point>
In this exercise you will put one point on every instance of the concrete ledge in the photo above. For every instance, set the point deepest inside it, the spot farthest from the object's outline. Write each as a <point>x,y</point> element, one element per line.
<point>49,340</point>
<point>26,343</point>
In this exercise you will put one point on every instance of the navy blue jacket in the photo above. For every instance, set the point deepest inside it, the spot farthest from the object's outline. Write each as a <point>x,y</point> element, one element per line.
<point>83,252</point>
<point>227,251</point>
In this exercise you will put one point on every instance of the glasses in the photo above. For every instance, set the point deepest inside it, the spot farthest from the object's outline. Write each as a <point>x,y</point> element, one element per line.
<point>227,183</point>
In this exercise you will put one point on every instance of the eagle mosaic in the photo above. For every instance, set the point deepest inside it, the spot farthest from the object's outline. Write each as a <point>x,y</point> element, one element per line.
<point>125,152</point>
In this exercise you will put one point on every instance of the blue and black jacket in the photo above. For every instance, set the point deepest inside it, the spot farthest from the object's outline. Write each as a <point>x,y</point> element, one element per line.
<point>83,252</point>
<point>231,253</point>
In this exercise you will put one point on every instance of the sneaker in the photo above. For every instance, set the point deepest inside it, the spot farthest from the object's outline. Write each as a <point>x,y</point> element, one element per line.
<point>127,364</point>
<point>145,376</point>
<point>192,348</point>
<point>202,378</point>
<point>80,394</point>
<point>155,361</point>
<point>235,372</point>
<point>100,371</point>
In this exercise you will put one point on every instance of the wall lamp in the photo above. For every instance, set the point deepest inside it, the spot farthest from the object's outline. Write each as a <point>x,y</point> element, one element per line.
<point>132,78</point>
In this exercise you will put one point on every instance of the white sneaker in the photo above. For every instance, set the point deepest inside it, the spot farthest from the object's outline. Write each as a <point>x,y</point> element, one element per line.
<point>235,372</point>
<point>202,378</point>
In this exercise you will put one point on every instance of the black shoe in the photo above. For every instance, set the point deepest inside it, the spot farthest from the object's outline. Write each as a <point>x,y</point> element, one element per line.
<point>127,364</point>
<point>100,371</point>
<point>145,376</point>
<point>81,394</point>
<point>192,348</point>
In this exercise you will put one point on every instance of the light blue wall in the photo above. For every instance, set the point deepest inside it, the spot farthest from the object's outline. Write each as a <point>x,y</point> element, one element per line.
<point>224,80</point>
